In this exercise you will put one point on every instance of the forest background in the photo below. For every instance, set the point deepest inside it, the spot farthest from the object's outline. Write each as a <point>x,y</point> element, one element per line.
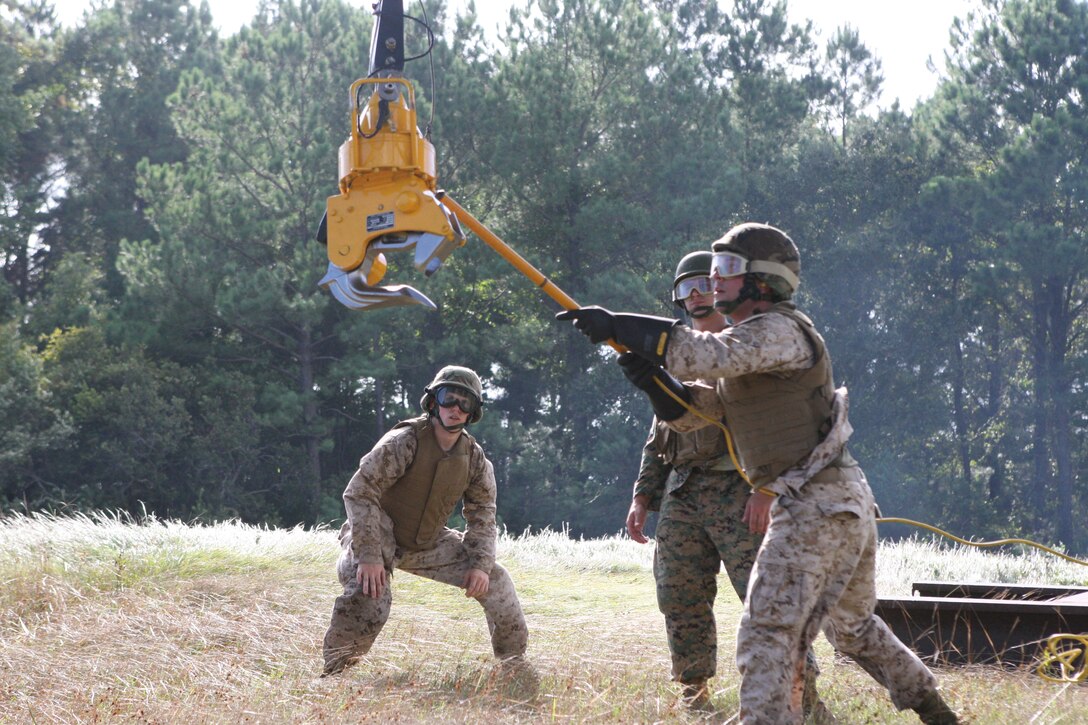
<point>165,347</point>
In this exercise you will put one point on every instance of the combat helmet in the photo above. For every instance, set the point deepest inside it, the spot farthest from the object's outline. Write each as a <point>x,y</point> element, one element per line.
<point>693,273</point>
<point>764,251</point>
<point>455,376</point>
<point>695,264</point>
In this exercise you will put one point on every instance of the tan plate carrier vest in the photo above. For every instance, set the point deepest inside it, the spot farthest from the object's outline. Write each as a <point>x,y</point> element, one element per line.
<point>776,421</point>
<point>695,448</point>
<point>421,501</point>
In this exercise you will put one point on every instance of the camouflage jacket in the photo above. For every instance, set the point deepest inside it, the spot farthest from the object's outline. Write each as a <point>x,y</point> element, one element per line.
<point>765,343</point>
<point>383,466</point>
<point>668,458</point>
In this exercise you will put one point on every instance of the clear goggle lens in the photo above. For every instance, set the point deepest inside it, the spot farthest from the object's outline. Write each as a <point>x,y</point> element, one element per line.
<point>685,287</point>
<point>448,397</point>
<point>728,264</point>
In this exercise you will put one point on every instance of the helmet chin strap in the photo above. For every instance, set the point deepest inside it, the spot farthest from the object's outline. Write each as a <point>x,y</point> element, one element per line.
<point>438,418</point>
<point>749,291</point>
<point>701,311</point>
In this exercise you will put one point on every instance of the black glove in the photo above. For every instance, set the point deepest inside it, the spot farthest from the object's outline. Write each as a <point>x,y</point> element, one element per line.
<point>638,370</point>
<point>596,323</point>
<point>645,375</point>
<point>645,334</point>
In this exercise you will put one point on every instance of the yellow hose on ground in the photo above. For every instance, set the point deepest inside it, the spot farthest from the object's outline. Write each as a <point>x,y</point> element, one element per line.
<point>1064,659</point>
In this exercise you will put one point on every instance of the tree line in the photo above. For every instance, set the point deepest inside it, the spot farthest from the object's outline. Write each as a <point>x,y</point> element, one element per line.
<point>165,346</point>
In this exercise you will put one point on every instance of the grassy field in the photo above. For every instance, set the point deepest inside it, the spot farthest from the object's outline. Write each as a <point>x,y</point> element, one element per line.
<point>103,620</point>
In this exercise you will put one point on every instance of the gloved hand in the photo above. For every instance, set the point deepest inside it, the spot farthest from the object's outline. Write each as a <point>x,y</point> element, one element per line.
<point>645,334</point>
<point>645,375</point>
<point>638,370</point>
<point>596,323</point>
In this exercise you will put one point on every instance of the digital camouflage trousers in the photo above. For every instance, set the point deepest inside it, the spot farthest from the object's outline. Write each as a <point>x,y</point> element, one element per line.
<point>816,571</point>
<point>698,531</point>
<point>357,620</point>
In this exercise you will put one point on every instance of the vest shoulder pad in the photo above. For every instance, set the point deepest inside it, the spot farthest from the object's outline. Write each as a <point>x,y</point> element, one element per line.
<point>802,317</point>
<point>423,422</point>
<point>416,424</point>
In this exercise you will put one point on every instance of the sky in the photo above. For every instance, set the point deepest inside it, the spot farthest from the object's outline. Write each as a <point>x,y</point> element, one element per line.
<point>902,35</point>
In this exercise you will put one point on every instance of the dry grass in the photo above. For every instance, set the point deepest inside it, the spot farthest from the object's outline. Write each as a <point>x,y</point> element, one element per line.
<point>104,620</point>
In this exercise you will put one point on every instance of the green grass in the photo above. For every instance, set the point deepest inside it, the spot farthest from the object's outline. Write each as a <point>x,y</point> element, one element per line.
<point>104,619</point>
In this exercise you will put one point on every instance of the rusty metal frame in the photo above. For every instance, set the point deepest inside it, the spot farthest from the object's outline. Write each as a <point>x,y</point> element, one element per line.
<point>958,623</point>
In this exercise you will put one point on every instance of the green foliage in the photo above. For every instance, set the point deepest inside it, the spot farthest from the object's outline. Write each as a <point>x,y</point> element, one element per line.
<point>34,115</point>
<point>32,424</point>
<point>166,345</point>
<point>1014,111</point>
<point>233,275</point>
<point>128,56</point>
<point>854,76</point>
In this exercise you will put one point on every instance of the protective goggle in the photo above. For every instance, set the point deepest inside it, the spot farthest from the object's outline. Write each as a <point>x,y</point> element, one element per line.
<point>447,397</point>
<point>728,264</point>
<point>685,287</point>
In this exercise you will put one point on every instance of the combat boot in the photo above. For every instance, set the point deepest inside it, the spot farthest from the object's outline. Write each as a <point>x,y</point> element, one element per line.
<point>335,663</point>
<point>935,711</point>
<point>695,694</point>
<point>516,677</point>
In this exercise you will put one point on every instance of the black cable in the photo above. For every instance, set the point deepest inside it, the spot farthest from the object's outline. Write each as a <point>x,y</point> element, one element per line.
<point>426,24</point>
<point>383,106</point>
<point>430,35</point>
<point>430,43</point>
<point>383,116</point>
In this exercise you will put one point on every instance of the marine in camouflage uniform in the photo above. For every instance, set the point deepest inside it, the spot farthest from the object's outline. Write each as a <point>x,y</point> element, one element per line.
<point>816,567</point>
<point>397,505</point>
<point>691,480</point>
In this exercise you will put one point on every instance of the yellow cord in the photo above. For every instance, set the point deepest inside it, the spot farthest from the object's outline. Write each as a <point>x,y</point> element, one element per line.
<point>1064,660</point>
<point>981,544</point>
<point>728,438</point>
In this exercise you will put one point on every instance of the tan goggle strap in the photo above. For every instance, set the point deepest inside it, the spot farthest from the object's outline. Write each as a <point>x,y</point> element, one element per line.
<point>760,266</point>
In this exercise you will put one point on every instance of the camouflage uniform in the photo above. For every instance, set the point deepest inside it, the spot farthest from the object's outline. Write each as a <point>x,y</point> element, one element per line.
<point>817,562</point>
<point>701,499</point>
<point>368,536</point>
